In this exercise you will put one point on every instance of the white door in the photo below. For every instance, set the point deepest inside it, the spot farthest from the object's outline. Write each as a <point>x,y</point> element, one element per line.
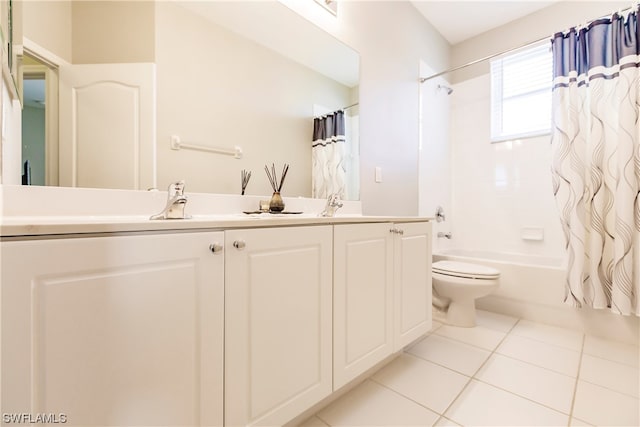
<point>114,331</point>
<point>412,282</point>
<point>107,126</point>
<point>363,298</point>
<point>277,323</point>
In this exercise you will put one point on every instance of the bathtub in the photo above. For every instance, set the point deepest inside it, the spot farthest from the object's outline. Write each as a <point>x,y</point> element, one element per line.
<point>530,278</point>
<point>532,288</point>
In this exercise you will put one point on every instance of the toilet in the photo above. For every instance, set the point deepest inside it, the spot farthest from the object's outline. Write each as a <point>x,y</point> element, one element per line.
<point>457,285</point>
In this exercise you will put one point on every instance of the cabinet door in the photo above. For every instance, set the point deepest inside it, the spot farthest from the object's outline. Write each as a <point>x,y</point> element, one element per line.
<point>363,298</point>
<point>277,323</point>
<point>114,331</point>
<point>412,282</point>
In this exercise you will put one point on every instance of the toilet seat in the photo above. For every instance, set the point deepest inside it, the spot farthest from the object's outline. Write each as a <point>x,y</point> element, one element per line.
<point>464,270</point>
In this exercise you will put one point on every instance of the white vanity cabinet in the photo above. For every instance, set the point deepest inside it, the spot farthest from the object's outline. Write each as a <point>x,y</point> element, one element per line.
<point>115,331</point>
<point>362,298</point>
<point>278,352</point>
<point>382,293</point>
<point>412,282</point>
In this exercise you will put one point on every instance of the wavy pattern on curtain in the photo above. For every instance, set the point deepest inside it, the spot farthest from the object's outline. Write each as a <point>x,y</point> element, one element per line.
<point>596,161</point>
<point>328,155</point>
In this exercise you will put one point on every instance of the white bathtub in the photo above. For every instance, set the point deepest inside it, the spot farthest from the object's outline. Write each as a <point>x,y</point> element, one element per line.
<point>535,279</point>
<point>532,287</point>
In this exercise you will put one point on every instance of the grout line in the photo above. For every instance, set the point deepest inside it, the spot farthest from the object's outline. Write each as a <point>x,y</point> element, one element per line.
<point>405,397</point>
<point>622,393</point>
<point>541,367</point>
<point>477,370</point>
<point>575,387</point>
<point>522,397</point>
<point>549,343</point>
<point>494,350</point>
<point>509,391</point>
<point>321,420</point>
<point>443,366</point>
<point>610,360</point>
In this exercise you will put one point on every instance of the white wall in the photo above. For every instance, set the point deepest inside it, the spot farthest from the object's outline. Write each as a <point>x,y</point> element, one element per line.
<point>560,16</point>
<point>435,160</point>
<point>49,24</point>
<point>393,39</point>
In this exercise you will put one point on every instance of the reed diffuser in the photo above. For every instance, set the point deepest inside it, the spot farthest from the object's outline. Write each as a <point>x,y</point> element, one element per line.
<point>276,204</point>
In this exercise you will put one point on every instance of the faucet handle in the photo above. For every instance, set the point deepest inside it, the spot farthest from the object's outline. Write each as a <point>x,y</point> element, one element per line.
<point>176,189</point>
<point>334,200</point>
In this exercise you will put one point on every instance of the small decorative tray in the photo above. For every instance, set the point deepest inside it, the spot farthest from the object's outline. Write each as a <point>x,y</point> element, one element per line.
<point>271,212</point>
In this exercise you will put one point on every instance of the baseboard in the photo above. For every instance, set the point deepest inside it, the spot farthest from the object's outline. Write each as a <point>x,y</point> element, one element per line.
<point>601,323</point>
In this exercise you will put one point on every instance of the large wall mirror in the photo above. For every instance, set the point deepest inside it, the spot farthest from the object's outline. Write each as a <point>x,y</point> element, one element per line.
<point>214,74</point>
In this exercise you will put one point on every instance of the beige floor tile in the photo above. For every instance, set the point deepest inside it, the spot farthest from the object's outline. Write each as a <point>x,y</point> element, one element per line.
<point>456,355</point>
<point>313,422</point>
<point>612,350</point>
<point>496,321</point>
<point>484,405</point>
<point>445,422</point>
<point>371,404</point>
<point>616,376</point>
<point>561,337</point>
<point>558,359</point>
<point>532,382</point>
<point>604,407</point>
<point>478,336</point>
<point>422,381</point>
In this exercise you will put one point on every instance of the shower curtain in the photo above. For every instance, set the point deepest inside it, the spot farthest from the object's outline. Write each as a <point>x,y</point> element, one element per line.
<point>596,161</point>
<point>328,155</point>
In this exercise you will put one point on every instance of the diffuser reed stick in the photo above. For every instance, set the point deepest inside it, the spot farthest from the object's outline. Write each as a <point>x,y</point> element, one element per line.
<point>273,177</point>
<point>244,179</point>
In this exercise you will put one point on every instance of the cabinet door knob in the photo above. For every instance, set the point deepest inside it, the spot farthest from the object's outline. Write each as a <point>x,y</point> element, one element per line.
<point>239,244</point>
<point>393,230</point>
<point>400,231</point>
<point>215,248</point>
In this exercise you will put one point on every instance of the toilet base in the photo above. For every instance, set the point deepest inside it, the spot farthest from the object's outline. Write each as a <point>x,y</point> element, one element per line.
<point>462,313</point>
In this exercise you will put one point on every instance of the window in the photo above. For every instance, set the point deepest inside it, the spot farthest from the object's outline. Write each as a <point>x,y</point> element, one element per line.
<point>521,94</point>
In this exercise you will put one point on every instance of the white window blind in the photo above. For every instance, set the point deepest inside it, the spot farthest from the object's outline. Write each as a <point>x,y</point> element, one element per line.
<point>521,94</point>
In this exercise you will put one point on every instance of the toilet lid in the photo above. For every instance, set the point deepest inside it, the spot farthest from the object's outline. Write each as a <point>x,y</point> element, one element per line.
<point>464,269</point>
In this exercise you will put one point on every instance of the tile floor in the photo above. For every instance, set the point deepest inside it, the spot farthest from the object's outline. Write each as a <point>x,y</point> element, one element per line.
<point>503,372</point>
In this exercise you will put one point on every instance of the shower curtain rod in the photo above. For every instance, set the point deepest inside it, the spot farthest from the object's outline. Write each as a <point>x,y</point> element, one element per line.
<point>468,64</point>
<point>477,61</point>
<point>339,109</point>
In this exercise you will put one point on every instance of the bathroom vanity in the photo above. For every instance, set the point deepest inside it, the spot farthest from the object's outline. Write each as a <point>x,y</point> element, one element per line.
<point>218,320</point>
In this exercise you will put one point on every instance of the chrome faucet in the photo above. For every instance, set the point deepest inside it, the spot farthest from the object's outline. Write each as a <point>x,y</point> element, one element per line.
<point>176,203</point>
<point>333,204</point>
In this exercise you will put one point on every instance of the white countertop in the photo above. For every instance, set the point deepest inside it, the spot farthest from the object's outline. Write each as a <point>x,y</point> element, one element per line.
<point>29,212</point>
<point>55,225</point>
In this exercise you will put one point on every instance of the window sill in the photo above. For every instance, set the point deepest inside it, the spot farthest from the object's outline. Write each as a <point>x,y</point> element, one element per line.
<point>526,135</point>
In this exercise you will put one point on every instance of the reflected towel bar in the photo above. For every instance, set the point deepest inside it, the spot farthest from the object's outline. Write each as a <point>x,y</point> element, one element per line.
<point>176,144</point>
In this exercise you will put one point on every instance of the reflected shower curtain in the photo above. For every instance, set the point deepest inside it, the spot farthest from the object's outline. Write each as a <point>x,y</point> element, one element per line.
<point>328,155</point>
<point>596,161</point>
